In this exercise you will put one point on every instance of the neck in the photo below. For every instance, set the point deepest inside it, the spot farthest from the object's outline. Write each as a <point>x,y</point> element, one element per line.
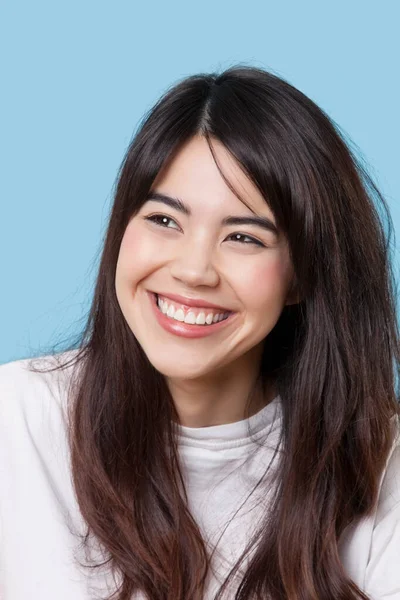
<point>221,397</point>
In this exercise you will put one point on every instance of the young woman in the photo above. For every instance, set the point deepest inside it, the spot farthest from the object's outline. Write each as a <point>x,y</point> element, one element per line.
<point>227,424</point>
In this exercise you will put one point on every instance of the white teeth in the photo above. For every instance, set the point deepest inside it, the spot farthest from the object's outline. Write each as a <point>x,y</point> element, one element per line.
<point>190,318</point>
<point>179,315</point>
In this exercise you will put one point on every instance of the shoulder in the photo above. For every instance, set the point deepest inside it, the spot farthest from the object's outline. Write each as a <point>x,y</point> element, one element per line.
<point>24,392</point>
<point>20,375</point>
<point>370,547</point>
<point>389,496</point>
<point>382,575</point>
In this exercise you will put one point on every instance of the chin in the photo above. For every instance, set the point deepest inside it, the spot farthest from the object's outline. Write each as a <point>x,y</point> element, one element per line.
<point>178,369</point>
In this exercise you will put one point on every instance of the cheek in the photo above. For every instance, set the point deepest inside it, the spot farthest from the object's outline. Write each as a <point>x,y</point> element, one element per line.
<point>264,285</point>
<point>136,256</point>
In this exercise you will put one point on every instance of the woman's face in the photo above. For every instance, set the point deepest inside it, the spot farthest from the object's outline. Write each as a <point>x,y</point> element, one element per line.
<point>190,249</point>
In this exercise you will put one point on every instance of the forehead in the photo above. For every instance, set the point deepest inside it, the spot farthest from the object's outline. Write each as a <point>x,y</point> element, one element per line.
<point>193,175</point>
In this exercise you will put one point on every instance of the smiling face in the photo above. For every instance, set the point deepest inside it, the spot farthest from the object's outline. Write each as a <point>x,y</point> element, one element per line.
<point>190,248</point>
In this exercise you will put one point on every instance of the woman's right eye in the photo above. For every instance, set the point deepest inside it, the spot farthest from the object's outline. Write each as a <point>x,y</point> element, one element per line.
<point>161,220</point>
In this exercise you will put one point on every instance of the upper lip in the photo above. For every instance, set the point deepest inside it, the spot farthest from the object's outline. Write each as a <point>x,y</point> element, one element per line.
<point>197,302</point>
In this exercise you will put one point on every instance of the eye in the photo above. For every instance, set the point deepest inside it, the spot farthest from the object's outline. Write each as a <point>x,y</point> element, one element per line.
<point>161,220</point>
<point>238,237</point>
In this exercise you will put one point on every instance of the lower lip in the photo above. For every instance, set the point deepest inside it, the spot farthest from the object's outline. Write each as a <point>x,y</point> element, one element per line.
<point>185,329</point>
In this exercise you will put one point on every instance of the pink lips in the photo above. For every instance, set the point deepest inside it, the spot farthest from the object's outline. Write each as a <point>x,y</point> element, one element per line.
<point>185,301</point>
<point>185,329</point>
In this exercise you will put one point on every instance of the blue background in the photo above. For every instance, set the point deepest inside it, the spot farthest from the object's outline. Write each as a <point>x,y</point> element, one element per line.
<point>77,78</point>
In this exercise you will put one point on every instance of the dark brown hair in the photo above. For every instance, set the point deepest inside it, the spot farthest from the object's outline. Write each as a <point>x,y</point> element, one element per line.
<point>333,356</point>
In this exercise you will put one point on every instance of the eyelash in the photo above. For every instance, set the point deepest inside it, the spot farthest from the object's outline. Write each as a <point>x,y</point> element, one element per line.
<point>153,219</point>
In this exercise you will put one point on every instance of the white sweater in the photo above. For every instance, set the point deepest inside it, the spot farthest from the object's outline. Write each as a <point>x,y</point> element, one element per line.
<point>39,515</point>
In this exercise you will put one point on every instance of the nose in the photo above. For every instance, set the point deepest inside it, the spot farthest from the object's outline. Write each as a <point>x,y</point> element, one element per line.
<point>194,266</point>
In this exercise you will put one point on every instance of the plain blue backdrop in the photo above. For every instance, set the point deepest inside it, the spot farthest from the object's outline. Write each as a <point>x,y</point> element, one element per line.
<point>77,78</point>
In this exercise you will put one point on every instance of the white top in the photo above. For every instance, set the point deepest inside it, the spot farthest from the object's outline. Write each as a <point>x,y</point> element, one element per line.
<point>39,513</point>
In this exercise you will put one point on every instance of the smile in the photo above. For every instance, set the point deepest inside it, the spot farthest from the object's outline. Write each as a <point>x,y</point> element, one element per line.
<point>190,315</point>
<point>188,321</point>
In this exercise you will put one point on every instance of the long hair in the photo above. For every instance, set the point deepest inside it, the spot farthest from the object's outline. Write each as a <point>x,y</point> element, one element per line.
<point>333,356</point>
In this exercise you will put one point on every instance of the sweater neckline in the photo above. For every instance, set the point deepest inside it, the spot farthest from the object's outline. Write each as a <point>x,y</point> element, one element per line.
<point>234,434</point>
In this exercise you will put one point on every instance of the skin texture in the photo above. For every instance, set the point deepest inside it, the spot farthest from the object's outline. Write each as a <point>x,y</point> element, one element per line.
<point>196,256</point>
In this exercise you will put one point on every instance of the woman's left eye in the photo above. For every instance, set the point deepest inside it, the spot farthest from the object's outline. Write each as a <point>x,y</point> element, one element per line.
<point>238,237</point>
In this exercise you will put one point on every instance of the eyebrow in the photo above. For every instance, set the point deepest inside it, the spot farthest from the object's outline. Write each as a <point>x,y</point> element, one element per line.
<point>179,205</point>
